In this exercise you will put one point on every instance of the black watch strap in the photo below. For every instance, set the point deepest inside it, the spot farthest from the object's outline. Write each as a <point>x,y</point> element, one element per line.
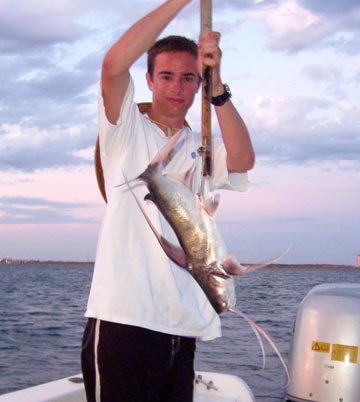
<point>222,99</point>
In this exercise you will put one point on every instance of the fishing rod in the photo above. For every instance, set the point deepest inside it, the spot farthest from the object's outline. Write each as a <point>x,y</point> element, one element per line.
<point>206,146</point>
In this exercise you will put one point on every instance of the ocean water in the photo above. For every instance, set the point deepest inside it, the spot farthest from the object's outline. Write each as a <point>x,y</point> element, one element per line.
<point>41,324</point>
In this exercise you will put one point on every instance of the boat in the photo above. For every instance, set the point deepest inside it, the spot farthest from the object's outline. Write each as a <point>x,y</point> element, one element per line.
<point>208,387</point>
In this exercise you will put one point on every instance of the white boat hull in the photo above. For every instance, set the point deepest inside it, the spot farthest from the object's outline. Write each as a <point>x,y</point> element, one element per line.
<point>209,387</point>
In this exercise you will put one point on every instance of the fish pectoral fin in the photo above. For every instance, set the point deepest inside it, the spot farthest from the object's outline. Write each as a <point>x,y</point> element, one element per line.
<point>233,267</point>
<point>218,270</point>
<point>175,253</point>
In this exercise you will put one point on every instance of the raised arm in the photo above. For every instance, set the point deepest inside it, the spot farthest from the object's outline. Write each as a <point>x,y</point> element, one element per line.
<point>123,54</point>
<point>240,153</point>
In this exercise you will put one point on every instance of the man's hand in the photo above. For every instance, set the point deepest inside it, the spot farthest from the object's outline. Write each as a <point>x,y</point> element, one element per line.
<point>210,55</point>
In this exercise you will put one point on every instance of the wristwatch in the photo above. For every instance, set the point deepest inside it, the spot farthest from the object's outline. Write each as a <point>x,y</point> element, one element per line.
<point>222,99</point>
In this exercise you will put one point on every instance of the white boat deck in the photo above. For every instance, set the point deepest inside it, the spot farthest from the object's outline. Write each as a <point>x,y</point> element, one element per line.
<point>209,387</point>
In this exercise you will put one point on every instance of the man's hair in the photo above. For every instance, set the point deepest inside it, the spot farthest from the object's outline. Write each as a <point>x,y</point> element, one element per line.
<point>173,43</point>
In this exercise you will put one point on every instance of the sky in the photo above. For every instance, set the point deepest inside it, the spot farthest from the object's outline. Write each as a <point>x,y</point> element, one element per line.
<point>293,67</point>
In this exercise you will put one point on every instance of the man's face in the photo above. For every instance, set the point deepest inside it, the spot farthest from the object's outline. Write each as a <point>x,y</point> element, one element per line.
<point>174,83</point>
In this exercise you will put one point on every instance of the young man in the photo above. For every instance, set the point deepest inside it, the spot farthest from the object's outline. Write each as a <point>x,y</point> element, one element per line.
<point>144,311</point>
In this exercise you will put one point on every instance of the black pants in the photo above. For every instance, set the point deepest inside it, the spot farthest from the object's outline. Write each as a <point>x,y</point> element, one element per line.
<point>136,364</point>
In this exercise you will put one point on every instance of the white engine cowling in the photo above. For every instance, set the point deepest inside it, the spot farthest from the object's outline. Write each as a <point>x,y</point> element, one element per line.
<point>324,353</point>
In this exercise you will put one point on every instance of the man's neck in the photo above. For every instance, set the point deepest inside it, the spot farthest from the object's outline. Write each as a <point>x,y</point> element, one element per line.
<point>167,124</point>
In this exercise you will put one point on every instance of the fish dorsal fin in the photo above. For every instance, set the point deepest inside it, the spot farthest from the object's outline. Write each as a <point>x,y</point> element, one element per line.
<point>166,149</point>
<point>211,204</point>
<point>185,179</point>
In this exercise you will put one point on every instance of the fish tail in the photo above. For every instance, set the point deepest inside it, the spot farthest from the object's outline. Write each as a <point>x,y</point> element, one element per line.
<point>258,330</point>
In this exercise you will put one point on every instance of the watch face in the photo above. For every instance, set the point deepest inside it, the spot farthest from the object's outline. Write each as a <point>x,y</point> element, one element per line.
<point>227,89</point>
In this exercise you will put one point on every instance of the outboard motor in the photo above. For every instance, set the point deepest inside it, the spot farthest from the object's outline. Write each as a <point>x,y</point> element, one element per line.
<point>324,354</point>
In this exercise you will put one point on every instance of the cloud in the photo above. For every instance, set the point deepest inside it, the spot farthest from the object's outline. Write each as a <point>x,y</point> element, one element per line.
<point>50,62</point>
<point>347,44</point>
<point>296,25</point>
<point>50,76</point>
<point>322,72</point>
<point>331,7</point>
<point>305,129</point>
<point>330,76</point>
<point>291,27</point>
<point>28,149</point>
<point>27,210</point>
<point>32,24</point>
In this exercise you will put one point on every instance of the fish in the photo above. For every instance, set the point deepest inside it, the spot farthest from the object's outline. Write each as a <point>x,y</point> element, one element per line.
<point>201,250</point>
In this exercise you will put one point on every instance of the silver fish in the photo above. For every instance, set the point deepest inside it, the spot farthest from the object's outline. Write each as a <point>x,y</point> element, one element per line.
<point>202,251</point>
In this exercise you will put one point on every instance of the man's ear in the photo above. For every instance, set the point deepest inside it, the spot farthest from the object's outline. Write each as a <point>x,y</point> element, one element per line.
<point>149,81</point>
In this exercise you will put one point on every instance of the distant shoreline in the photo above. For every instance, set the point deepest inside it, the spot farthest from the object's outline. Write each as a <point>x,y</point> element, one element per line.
<point>314,266</point>
<point>9,262</point>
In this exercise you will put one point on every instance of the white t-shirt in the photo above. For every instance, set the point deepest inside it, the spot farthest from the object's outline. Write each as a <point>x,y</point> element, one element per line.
<point>134,282</point>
